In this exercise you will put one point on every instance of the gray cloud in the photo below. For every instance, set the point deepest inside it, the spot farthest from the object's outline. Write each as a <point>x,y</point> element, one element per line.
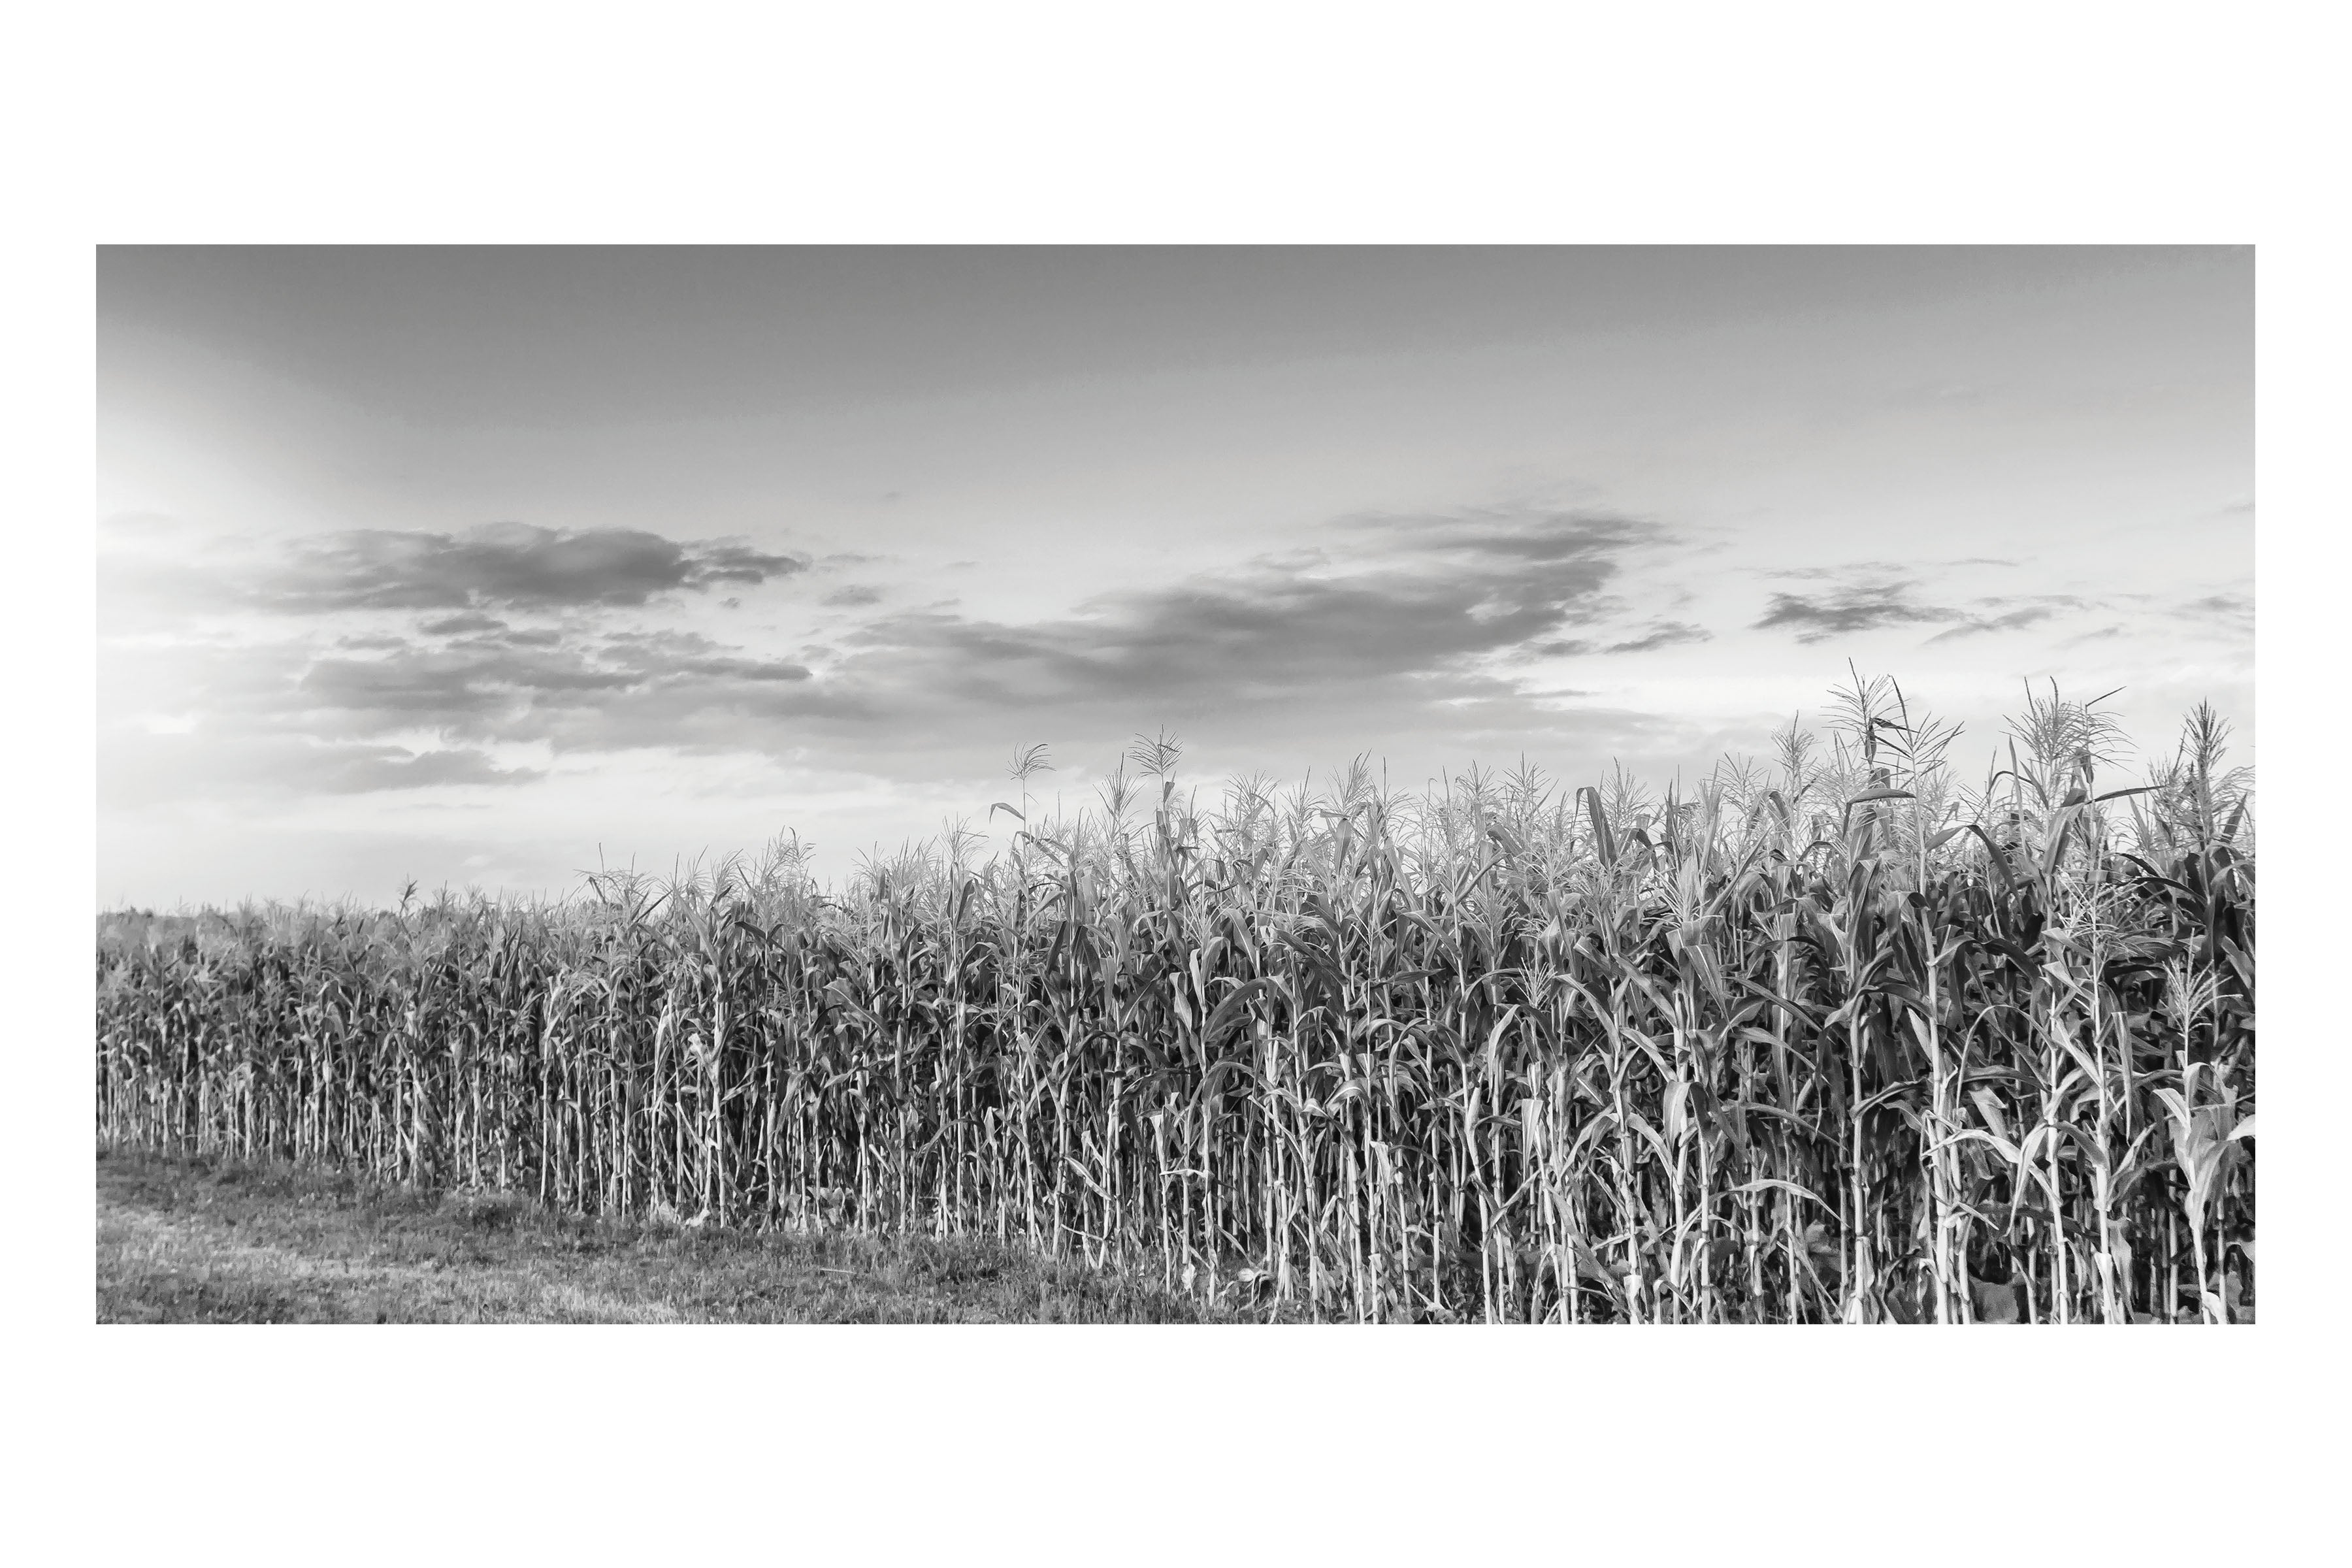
<point>514,686</point>
<point>855,595</point>
<point>508,563</point>
<point>1404,604</point>
<point>2234,610</point>
<point>1826,573</point>
<point>1499,535</point>
<point>444,687</point>
<point>2013,621</point>
<point>2003,615</point>
<point>1865,598</point>
<point>354,770</point>
<point>461,625</point>
<point>1407,618</point>
<point>232,754</point>
<point>1850,609</point>
<point>1661,634</point>
<point>1395,628</point>
<point>670,656</point>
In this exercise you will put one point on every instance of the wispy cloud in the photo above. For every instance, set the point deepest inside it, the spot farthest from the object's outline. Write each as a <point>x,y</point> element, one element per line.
<point>1409,605</point>
<point>472,621</point>
<point>2007,615</point>
<point>353,770</point>
<point>1850,609</point>
<point>2234,610</point>
<point>505,564</point>
<point>1661,634</point>
<point>532,686</point>
<point>1852,568</point>
<point>233,755</point>
<point>1386,625</point>
<point>1870,595</point>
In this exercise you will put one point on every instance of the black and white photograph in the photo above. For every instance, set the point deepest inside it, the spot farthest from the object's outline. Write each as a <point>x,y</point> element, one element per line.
<point>1262,782</point>
<point>1250,785</point>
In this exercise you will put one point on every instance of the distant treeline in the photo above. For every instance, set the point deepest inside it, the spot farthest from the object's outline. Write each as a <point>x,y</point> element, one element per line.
<point>1839,1037</point>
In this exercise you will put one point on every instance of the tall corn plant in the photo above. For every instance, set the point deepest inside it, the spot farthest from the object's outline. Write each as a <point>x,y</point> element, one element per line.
<point>1830,1037</point>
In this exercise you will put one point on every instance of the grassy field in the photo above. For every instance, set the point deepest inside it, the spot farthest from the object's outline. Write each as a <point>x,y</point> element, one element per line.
<point>199,1240</point>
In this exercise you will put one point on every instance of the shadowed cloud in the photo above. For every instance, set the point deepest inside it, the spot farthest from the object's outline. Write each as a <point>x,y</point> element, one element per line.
<point>1407,605</point>
<point>506,564</point>
<point>236,754</point>
<point>1393,624</point>
<point>2012,614</point>
<point>506,687</point>
<point>1863,597</point>
<point>1850,609</point>
<point>2233,610</point>
<point>1663,634</point>
<point>354,770</point>
<point>472,621</point>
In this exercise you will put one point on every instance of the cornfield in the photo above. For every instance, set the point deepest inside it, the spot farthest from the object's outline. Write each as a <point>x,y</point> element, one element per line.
<point>1836,1036</point>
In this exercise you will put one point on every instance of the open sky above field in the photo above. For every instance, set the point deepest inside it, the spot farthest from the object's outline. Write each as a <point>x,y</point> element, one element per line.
<point>472,566</point>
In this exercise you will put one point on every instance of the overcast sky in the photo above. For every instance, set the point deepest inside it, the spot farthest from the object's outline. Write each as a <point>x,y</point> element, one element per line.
<point>471,565</point>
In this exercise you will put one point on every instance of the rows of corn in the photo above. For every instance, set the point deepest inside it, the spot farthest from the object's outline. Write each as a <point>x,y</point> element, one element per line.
<point>1836,1038</point>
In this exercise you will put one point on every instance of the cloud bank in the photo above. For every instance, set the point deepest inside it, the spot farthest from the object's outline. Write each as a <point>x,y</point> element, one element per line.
<point>521,636</point>
<point>382,661</point>
<point>505,563</point>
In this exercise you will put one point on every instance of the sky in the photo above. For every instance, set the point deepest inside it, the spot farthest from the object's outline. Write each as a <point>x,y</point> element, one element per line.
<point>487,566</point>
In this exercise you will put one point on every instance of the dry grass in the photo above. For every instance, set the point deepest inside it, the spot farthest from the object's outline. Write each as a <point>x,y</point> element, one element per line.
<point>197,1240</point>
